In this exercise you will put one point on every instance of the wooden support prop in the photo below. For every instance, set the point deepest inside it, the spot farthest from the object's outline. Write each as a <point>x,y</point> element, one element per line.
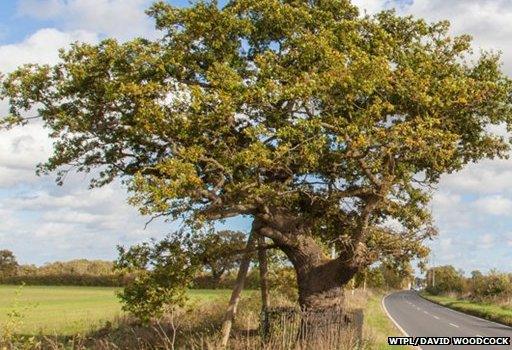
<point>262,259</point>
<point>237,290</point>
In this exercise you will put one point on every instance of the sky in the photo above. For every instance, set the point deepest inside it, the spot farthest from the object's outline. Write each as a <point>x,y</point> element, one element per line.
<point>41,222</point>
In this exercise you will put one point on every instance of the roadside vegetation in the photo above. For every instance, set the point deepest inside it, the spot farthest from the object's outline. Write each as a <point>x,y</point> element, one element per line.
<point>378,327</point>
<point>484,295</point>
<point>488,310</point>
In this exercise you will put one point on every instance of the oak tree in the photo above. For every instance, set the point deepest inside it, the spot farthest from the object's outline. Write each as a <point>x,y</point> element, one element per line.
<point>325,126</point>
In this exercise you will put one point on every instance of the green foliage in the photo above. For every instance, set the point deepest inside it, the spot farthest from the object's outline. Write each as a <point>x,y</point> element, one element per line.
<point>163,270</point>
<point>10,329</point>
<point>320,123</point>
<point>446,280</point>
<point>65,312</point>
<point>283,280</point>
<point>11,326</point>
<point>219,252</point>
<point>396,276</point>
<point>492,285</point>
<point>372,277</point>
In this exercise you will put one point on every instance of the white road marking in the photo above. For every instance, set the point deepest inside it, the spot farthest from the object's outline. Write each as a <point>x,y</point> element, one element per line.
<point>454,325</point>
<point>434,316</point>
<point>392,319</point>
<point>426,312</point>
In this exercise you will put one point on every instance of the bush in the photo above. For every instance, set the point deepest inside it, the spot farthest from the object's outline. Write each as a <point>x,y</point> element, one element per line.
<point>163,269</point>
<point>494,285</point>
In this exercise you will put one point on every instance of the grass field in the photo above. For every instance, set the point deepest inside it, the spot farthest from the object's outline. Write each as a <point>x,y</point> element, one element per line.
<point>488,311</point>
<point>61,311</point>
<point>69,310</point>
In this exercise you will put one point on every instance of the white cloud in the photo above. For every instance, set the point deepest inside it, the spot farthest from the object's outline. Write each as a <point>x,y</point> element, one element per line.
<point>483,178</point>
<point>71,221</point>
<point>487,241</point>
<point>446,243</point>
<point>123,19</point>
<point>370,6</point>
<point>20,150</point>
<point>41,47</point>
<point>488,21</point>
<point>34,8</point>
<point>494,205</point>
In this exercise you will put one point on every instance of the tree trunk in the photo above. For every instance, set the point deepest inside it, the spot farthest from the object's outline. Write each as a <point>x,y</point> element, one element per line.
<point>320,282</point>
<point>216,278</point>
<point>320,279</point>
<point>237,290</point>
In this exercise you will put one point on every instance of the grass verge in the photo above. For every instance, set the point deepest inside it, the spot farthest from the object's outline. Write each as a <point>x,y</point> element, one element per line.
<point>377,325</point>
<point>489,311</point>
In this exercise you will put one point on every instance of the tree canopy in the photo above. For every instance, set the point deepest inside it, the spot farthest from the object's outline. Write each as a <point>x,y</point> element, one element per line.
<point>219,252</point>
<point>325,126</point>
<point>8,263</point>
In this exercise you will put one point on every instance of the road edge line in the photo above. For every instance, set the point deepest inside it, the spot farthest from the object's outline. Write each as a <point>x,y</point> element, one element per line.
<point>383,304</point>
<point>465,314</point>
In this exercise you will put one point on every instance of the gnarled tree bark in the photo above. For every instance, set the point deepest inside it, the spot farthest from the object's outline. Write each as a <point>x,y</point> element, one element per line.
<point>320,279</point>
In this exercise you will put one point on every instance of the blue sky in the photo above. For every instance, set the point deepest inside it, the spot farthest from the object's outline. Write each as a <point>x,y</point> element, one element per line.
<point>41,222</point>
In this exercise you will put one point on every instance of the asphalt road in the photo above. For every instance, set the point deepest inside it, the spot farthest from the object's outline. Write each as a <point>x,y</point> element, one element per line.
<point>418,317</point>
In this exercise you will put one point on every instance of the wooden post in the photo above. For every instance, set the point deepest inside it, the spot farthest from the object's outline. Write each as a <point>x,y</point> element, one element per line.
<point>262,259</point>
<point>237,290</point>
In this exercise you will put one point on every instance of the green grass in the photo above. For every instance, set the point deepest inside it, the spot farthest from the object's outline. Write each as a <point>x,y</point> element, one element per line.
<point>488,311</point>
<point>378,326</point>
<point>69,310</point>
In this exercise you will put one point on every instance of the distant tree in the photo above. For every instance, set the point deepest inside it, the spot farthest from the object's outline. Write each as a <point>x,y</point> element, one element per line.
<point>219,251</point>
<point>319,123</point>
<point>476,274</point>
<point>493,284</point>
<point>371,277</point>
<point>8,263</point>
<point>445,279</point>
<point>397,276</point>
<point>78,267</point>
